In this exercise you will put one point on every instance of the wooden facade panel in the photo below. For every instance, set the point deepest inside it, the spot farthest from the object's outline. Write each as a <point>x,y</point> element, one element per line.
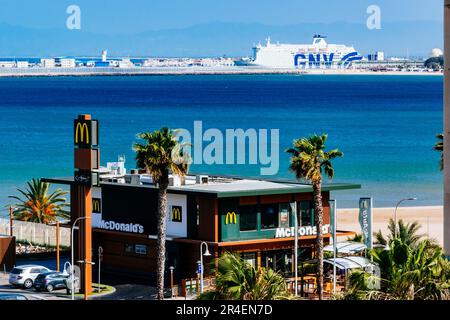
<point>276,198</point>
<point>208,221</point>
<point>248,200</point>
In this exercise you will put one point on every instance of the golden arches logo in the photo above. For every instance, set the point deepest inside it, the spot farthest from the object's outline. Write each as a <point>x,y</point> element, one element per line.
<point>96,205</point>
<point>230,218</point>
<point>176,213</point>
<point>82,132</point>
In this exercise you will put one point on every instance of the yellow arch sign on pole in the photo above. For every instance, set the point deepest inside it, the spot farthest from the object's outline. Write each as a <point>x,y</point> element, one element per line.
<point>82,133</point>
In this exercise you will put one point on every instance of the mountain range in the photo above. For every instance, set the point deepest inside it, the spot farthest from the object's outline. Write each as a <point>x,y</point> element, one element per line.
<point>415,38</point>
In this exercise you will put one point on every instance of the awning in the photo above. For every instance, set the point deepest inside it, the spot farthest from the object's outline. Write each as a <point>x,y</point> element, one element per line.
<point>346,263</point>
<point>347,247</point>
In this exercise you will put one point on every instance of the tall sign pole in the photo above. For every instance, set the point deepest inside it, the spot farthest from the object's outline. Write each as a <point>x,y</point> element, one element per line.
<point>87,158</point>
<point>446,151</point>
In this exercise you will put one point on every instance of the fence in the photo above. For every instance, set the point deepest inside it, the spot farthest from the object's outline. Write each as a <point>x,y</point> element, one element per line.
<point>36,232</point>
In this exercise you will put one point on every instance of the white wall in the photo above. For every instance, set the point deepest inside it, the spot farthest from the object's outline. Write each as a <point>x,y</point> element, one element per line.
<point>178,229</point>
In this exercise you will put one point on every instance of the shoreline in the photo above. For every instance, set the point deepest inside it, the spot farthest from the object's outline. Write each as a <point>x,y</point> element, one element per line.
<point>88,72</point>
<point>430,219</point>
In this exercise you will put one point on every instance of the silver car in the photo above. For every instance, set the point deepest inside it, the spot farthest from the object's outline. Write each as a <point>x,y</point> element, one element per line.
<point>25,275</point>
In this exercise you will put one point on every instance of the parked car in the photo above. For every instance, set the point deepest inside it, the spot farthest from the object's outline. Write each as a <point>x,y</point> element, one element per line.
<point>50,281</point>
<point>12,296</point>
<point>25,275</point>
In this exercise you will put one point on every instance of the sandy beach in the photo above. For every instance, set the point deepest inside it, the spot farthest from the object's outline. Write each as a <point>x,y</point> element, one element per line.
<point>430,219</point>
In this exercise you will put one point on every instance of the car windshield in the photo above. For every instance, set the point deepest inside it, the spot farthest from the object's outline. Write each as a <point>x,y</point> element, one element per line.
<point>12,297</point>
<point>16,271</point>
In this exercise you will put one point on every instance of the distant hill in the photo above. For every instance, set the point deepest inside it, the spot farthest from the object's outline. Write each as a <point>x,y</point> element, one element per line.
<point>220,38</point>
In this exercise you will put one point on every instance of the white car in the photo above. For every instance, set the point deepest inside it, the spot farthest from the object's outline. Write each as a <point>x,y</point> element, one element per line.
<point>25,275</point>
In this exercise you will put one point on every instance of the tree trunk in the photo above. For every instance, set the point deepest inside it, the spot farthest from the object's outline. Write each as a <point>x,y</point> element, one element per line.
<point>161,242</point>
<point>318,216</point>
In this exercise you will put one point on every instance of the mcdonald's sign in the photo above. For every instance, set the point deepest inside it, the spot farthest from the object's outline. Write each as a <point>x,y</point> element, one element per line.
<point>85,133</point>
<point>230,218</point>
<point>177,213</point>
<point>96,205</point>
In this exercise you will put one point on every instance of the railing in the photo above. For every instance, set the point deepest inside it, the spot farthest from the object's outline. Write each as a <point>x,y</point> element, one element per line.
<point>307,287</point>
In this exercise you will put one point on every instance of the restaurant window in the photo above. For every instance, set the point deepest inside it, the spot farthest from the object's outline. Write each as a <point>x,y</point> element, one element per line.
<point>278,260</point>
<point>140,249</point>
<point>248,217</point>
<point>269,216</point>
<point>249,257</point>
<point>284,215</point>
<point>305,213</point>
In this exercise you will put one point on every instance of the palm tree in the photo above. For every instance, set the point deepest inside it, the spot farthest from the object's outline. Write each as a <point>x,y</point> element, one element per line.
<point>407,273</point>
<point>38,206</point>
<point>407,233</point>
<point>439,146</point>
<point>159,155</point>
<point>236,279</point>
<point>308,160</point>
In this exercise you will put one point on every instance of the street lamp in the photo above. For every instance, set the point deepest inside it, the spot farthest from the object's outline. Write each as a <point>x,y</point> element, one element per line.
<point>395,213</point>
<point>74,227</point>
<point>206,254</point>
<point>11,217</point>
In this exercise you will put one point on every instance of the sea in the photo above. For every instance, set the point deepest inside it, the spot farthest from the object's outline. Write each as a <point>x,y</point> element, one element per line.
<point>385,125</point>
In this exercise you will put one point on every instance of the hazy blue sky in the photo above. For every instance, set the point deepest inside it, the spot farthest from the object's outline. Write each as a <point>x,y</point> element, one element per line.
<point>119,16</point>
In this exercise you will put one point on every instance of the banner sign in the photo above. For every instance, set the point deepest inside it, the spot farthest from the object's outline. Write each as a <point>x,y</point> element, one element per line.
<point>365,221</point>
<point>332,215</point>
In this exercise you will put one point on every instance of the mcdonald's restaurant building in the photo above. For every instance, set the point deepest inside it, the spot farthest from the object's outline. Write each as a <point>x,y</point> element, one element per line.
<point>252,217</point>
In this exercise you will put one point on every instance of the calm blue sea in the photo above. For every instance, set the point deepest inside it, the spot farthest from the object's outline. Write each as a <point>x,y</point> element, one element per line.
<point>385,125</point>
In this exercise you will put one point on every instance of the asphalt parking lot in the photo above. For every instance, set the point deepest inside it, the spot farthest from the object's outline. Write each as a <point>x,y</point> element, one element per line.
<point>126,288</point>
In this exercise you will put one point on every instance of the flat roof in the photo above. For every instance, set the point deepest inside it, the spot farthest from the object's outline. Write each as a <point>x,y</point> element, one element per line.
<point>225,187</point>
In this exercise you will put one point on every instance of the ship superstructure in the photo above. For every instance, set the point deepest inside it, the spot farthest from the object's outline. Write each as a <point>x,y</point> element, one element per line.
<point>318,55</point>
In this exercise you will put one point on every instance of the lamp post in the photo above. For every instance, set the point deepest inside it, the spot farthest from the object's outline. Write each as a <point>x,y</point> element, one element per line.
<point>11,211</point>
<point>57,245</point>
<point>395,213</point>
<point>100,258</point>
<point>206,254</point>
<point>171,280</point>
<point>74,227</point>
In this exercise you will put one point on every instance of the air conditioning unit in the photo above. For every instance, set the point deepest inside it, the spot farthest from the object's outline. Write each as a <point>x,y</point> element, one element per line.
<point>133,179</point>
<point>201,179</point>
<point>175,180</point>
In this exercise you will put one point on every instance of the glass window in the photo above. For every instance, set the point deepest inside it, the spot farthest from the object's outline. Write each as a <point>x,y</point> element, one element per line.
<point>250,257</point>
<point>305,213</point>
<point>140,249</point>
<point>269,216</point>
<point>284,215</point>
<point>278,260</point>
<point>248,217</point>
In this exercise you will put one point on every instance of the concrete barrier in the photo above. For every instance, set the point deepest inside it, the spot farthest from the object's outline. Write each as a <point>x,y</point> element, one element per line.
<point>37,233</point>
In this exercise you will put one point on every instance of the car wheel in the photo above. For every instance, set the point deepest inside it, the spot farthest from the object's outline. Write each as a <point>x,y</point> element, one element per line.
<point>49,288</point>
<point>28,283</point>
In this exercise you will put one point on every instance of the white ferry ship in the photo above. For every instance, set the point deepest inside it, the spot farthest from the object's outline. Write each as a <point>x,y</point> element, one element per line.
<point>318,55</point>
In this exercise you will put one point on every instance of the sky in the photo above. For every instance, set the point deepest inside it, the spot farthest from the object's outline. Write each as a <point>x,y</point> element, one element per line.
<point>133,16</point>
<point>213,28</point>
